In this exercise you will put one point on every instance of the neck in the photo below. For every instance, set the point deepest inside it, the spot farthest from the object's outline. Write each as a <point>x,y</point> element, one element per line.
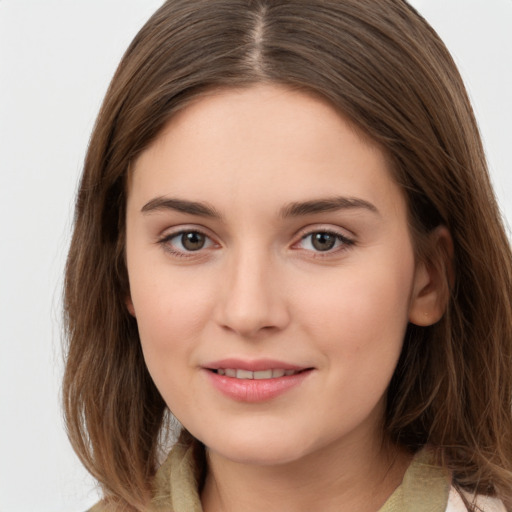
<point>341,476</point>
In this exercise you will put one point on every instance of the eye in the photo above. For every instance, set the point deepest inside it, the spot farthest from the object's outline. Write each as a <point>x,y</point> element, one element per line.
<point>186,241</point>
<point>192,240</point>
<point>324,241</point>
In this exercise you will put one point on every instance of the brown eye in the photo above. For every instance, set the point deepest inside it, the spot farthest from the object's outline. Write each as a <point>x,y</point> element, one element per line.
<point>192,240</point>
<point>186,242</point>
<point>323,241</point>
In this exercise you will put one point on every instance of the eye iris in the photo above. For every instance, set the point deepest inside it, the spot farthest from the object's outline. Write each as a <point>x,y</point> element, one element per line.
<point>192,241</point>
<point>323,241</point>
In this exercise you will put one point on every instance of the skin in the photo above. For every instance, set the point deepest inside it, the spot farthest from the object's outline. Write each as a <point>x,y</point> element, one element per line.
<point>259,288</point>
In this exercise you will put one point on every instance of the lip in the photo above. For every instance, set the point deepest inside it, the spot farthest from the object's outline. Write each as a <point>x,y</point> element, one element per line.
<point>255,390</point>
<point>252,366</point>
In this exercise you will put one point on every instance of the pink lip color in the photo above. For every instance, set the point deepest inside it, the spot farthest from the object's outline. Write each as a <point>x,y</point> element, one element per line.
<point>252,366</point>
<point>254,390</point>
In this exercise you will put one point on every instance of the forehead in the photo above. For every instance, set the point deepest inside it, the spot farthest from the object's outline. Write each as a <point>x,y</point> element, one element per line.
<point>262,145</point>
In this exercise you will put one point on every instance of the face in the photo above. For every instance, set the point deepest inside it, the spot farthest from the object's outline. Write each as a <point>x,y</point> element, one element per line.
<point>272,274</point>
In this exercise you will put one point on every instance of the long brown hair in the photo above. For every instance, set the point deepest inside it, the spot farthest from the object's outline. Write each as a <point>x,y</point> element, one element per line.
<point>384,68</point>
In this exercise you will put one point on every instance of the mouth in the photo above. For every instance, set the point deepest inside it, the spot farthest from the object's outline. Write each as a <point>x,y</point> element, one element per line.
<point>256,381</point>
<point>271,373</point>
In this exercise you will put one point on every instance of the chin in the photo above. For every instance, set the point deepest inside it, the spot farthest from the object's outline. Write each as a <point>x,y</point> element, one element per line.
<point>259,449</point>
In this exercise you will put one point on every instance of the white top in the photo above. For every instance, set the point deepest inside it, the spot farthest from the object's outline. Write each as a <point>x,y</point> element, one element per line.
<point>485,503</point>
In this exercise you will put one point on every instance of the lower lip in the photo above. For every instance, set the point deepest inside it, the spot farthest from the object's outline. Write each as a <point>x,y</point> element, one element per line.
<point>256,390</point>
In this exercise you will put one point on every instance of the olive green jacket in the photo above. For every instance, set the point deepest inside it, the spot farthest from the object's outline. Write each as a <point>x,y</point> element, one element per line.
<point>425,487</point>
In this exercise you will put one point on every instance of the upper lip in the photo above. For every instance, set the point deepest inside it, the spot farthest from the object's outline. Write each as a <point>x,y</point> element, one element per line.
<point>252,366</point>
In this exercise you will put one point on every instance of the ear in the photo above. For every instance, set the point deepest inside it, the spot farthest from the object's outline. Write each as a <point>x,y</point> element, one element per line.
<point>433,279</point>
<point>129,306</point>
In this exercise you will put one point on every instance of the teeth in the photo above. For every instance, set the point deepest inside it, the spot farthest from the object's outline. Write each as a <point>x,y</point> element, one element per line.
<point>244,374</point>
<point>262,374</point>
<point>265,374</point>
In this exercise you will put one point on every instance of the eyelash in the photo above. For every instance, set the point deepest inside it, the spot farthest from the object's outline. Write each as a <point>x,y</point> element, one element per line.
<point>165,243</point>
<point>344,243</point>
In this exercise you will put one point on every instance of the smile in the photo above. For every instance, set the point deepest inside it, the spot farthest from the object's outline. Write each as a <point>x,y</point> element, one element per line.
<point>273,373</point>
<point>258,384</point>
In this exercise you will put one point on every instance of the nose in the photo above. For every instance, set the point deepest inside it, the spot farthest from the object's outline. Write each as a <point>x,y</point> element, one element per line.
<point>253,300</point>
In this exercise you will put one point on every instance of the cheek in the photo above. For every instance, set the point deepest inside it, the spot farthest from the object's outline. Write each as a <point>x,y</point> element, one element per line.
<point>171,318</point>
<point>362,309</point>
<point>171,312</point>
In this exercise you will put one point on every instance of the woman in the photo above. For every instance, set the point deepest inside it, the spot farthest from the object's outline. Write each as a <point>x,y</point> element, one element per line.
<point>285,235</point>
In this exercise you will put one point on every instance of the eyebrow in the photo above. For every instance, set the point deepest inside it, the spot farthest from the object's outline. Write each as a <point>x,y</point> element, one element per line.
<point>299,209</point>
<point>181,205</point>
<point>295,209</point>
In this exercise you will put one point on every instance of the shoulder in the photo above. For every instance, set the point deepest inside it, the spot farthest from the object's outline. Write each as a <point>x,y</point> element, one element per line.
<point>484,503</point>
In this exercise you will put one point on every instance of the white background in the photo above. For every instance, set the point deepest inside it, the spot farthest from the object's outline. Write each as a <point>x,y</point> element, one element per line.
<point>56,59</point>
